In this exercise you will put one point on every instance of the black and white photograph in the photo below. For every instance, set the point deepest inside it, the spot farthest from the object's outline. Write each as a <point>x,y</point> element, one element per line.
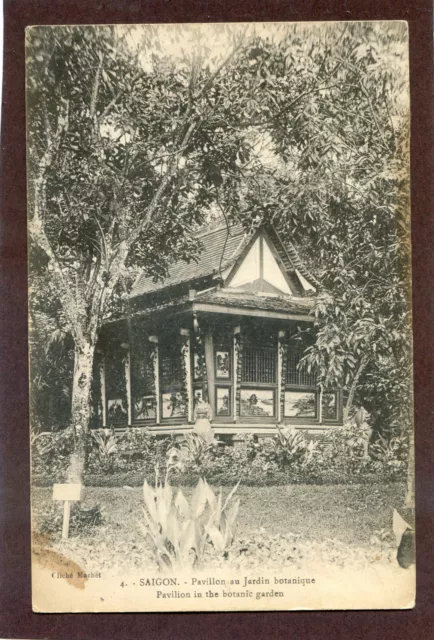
<point>220,323</point>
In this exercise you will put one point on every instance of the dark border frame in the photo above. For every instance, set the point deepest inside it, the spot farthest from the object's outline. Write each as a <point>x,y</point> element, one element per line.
<point>16,618</point>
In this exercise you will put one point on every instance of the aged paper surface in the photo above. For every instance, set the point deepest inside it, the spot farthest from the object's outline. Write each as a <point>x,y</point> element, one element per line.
<point>220,317</point>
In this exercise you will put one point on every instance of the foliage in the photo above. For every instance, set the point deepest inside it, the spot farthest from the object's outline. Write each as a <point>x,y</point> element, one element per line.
<point>135,450</point>
<point>391,456</point>
<point>106,443</point>
<point>340,191</point>
<point>276,526</point>
<point>40,441</point>
<point>193,452</point>
<point>291,448</point>
<point>335,458</point>
<point>221,524</point>
<point>287,451</point>
<point>135,441</point>
<point>106,165</point>
<point>51,452</point>
<point>83,519</point>
<point>304,126</point>
<point>346,441</point>
<point>179,531</point>
<point>195,447</point>
<point>341,452</point>
<point>51,358</point>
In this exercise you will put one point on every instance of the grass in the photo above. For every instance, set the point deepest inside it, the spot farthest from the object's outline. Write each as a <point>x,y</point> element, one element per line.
<point>347,513</point>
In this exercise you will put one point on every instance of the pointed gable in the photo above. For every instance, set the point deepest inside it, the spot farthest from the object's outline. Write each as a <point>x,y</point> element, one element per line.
<point>260,269</point>
<point>272,272</point>
<point>249,269</point>
<point>257,262</point>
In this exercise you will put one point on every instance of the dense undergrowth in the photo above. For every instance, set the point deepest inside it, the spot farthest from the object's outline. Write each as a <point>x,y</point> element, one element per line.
<point>128,458</point>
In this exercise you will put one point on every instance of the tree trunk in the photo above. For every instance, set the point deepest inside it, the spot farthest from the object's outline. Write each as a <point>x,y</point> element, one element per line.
<point>355,382</point>
<point>81,395</point>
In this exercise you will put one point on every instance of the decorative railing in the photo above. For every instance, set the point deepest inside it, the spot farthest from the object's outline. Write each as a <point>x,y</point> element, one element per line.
<point>259,365</point>
<point>295,376</point>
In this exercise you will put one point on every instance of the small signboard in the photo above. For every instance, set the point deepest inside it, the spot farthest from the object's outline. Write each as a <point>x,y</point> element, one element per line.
<point>68,493</point>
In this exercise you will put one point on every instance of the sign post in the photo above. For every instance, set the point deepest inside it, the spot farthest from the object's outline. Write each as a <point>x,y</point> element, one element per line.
<point>68,493</point>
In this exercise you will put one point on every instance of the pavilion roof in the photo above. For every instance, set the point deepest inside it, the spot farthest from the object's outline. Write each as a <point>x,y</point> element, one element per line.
<point>220,249</point>
<point>240,299</point>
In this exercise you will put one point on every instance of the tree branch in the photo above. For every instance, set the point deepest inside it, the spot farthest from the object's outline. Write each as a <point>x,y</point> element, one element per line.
<point>116,97</point>
<point>163,184</point>
<point>255,123</point>
<point>40,238</point>
<point>366,94</point>
<point>224,64</point>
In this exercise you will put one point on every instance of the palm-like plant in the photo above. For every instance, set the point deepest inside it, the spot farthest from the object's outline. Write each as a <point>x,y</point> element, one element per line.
<point>290,446</point>
<point>391,453</point>
<point>106,441</point>
<point>42,441</point>
<point>195,447</point>
<point>193,451</point>
<point>178,531</point>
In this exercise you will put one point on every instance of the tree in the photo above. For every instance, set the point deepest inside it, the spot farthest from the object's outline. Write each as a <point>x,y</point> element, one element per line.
<point>339,188</point>
<point>105,167</point>
<point>131,147</point>
<point>342,193</point>
<point>127,149</point>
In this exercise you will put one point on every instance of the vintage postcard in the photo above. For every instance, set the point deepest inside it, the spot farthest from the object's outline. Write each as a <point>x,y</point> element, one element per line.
<point>220,317</point>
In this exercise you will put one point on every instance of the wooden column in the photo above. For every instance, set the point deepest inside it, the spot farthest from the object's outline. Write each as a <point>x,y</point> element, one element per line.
<point>236,332</point>
<point>320,405</point>
<point>103,391</point>
<point>280,338</point>
<point>154,341</point>
<point>128,385</point>
<point>209,362</point>
<point>185,333</point>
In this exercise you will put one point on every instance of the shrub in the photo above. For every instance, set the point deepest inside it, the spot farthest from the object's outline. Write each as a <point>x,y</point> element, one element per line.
<point>288,451</point>
<point>195,449</point>
<point>341,454</point>
<point>390,458</point>
<point>134,439</point>
<point>83,518</point>
<point>102,455</point>
<point>51,452</point>
<point>291,449</point>
<point>286,457</point>
<point>106,442</point>
<point>136,450</point>
<point>192,453</point>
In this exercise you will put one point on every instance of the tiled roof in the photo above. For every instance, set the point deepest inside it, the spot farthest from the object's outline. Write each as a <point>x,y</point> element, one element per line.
<point>168,304</point>
<point>288,253</point>
<point>224,298</point>
<point>267,302</point>
<point>209,261</point>
<point>218,251</point>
